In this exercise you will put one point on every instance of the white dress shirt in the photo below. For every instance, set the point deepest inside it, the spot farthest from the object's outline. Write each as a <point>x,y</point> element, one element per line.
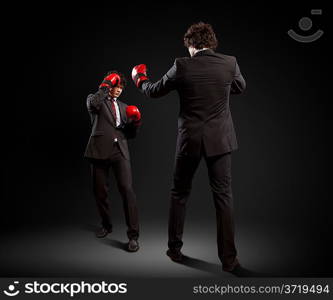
<point>117,112</point>
<point>114,100</point>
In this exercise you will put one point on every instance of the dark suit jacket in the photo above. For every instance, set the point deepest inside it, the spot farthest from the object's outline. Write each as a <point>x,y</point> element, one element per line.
<point>101,142</point>
<point>204,83</point>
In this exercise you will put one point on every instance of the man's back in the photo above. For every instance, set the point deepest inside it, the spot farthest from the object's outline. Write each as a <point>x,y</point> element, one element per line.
<point>204,83</point>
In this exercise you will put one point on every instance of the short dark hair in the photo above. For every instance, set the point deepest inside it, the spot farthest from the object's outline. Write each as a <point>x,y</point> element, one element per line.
<point>121,75</point>
<point>200,35</point>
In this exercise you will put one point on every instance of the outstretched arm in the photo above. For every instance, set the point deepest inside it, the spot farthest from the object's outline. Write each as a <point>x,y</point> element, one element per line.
<point>158,89</point>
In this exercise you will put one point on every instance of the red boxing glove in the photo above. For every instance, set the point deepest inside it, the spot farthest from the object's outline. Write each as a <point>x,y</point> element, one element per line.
<point>139,74</point>
<point>110,81</point>
<point>133,113</point>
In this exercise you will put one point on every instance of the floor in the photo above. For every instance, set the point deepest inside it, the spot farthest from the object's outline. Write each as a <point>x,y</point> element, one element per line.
<point>74,250</point>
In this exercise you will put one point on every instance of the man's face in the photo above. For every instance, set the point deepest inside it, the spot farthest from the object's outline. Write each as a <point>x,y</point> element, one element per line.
<point>116,91</point>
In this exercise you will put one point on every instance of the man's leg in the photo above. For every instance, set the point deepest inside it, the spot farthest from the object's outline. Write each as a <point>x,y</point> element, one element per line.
<point>100,174</point>
<point>219,170</point>
<point>184,170</point>
<point>123,174</point>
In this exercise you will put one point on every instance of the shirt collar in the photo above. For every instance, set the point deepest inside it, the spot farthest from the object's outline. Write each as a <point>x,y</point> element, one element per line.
<point>203,52</point>
<point>113,99</point>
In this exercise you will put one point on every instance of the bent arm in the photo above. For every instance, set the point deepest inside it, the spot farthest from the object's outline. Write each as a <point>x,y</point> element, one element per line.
<point>94,101</point>
<point>131,128</point>
<point>238,84</point>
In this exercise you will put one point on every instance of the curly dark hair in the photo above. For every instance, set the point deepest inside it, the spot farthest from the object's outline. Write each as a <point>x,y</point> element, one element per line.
<point>200,35</point>
<point>122,77</point>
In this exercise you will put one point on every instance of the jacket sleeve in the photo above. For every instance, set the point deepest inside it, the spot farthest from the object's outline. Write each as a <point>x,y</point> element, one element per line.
<point>131,129</point>
<point>162,87</point>
<point>94,101</point>
<point>238,84</point>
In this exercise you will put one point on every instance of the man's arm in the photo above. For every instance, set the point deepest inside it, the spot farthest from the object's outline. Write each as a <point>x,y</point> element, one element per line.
<point>238,84</point>
<point>94,101</point>
<point>158,89</point>
<point>133,121</point>
<point>131,129</point>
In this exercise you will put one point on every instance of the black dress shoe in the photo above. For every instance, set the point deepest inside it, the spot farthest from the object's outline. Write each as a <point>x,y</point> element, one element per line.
<point>102,232</point>
<point>175,255</point>
<point>133,246</point>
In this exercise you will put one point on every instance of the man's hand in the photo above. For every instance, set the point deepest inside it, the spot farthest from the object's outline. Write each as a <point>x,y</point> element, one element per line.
<point>139,74</point>
<point>133,113</point>
<point>110,81</point>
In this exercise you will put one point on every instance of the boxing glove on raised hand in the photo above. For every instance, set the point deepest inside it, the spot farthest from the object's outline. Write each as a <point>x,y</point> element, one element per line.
<point>133,113</point>
<point>139,74</point>
<point>110,81</point>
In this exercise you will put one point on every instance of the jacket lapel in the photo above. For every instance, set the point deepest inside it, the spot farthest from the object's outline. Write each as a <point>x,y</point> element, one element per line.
<point>122,110</point>
<point>111,117</point>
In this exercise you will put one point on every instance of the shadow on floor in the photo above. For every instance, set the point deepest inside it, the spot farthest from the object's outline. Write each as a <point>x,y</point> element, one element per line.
<point>114,243</point>
<point>216,269</point>
<point>106,241</point>
<point>190,262</point>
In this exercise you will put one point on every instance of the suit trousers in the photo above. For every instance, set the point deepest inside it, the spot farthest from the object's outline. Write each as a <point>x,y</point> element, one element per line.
<point>219,172</point>
<point>121,168</point>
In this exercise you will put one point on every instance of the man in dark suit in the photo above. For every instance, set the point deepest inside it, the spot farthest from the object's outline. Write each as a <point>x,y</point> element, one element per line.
<point>113,122</point>
<point>205,129</point>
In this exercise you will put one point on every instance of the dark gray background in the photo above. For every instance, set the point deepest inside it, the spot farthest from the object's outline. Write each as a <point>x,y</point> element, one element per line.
<point>281,178</point>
